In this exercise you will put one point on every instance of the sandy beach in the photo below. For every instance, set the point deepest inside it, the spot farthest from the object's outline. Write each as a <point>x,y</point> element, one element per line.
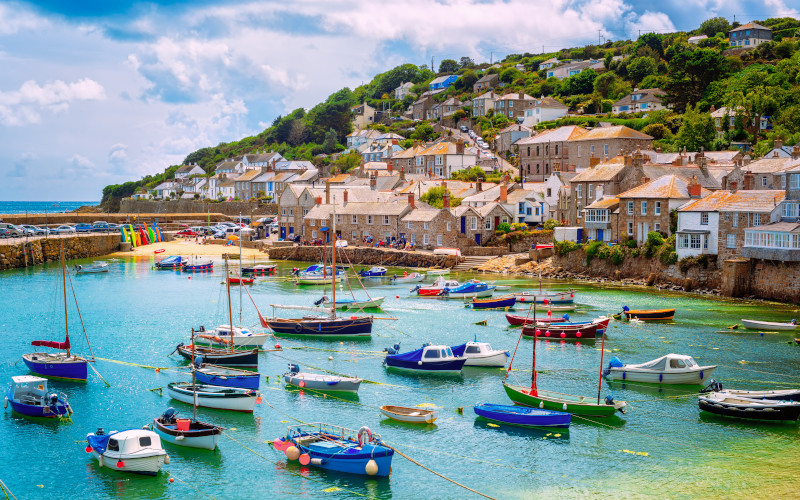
<point>189,247</point>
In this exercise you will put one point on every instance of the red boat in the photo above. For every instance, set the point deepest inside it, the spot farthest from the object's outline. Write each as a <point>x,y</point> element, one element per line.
<point>516,320</point>
<point>436,288</point>
<point>240,281</point>
<point>556,331</point>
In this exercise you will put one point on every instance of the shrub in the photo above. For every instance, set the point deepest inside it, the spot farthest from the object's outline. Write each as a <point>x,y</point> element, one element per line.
<point>617,255</point>
<point>505,227</point>
<point>631,243</point>
<point>604,252</point>
<point>703,260</point>
<point>550,224</point>
<point>686,263</point>
<point>592,248</point>
<point>518,226</point>
<point>653,243</point>
<point>635,252</point>
<point>564,247</point>
<point>669,257</point>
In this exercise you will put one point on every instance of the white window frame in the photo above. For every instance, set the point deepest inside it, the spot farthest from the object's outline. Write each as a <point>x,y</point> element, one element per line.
<point>473,223</point>
<point>449,226</point>
<point>354,219</point>
<point>339,218</point>
<point>730,240</point>
<point>704,218</point>
<point>735,221</point>
<point>425,225</point>
<point>438,240</point>
<point>630,228</point>
<point>408,225</point>
<point>369,219</point>
<point>487,224</point>
<point>657,209</point>
<point>756,219</point>
<point>385,220</point>
<point>312,222</point>
<point>425,239</point>
<point>643,208</point>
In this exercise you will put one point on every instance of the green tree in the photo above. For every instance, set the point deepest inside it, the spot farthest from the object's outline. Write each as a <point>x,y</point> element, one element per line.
<point>466,62</point>
<point>697,130</point>
<point>710,27</point>
<point>653,41</point>
<point>448,66</point>
<point>640,67</point>
<point>508,75</point>
<point>346,162</point>
<point>690,73</point>
<point>466,81</point>
<point>434,196</point>
<point>423,132</point>
<point>582,83</point>
<point>329,144</point>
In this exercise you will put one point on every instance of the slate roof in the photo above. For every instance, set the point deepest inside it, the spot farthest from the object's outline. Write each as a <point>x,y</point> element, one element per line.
<point>750,26</point>
<point>421,215</point>
<point>648,96</point>
<point>739,201</point>
<point>666,187</point>
<point>615,132</point>
<point>566,133</point>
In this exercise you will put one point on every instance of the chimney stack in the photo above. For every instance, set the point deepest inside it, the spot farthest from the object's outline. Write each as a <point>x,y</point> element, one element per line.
<point>390,166</point>
<point>645,180</point>
<point>318,199</point>
<point>795,152</point>
<point>460,147</point>
<point>777,143</point>
<point>344,197</point>
<point>478,185</point>
<point>411,201</point>
<point>503,192</point>
<point>446,200</point>
<point>733,186</point>
<point>328,192</point>
<point>749,181</point>
<point>521,95</point>
<point>373,183</point>
<point>402,173</point>
<point>694,188</point>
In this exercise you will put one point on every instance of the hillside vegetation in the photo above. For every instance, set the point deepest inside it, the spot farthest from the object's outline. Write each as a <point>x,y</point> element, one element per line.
<point>764,81</point>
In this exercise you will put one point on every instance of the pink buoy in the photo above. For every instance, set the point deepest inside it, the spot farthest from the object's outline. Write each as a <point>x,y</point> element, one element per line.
<point>563,335</point>
<point>547,333</point>
<point>88,449</point>
<point>578,334</point>
<point>305,459</point>
<point>302,383</point>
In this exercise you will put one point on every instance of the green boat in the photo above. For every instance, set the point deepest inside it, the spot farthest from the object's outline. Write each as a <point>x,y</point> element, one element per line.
<point>576,405</point>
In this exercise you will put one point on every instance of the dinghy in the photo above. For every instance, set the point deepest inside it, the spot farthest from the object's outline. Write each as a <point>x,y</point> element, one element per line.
<point>522,415</point>
<point>138,451</point>
<point>198,264</point>
<point>221,336</point>
<point>28,395</point>
<point>669,369</point>
<point>97,266</point>
<point>649,314</point>
<point>320,381</point>
<point>557,331</point>
<point>225,377</point>
<point>186,432</point>
<point>776,394</point>
<point>729,405</point>
<point>410,414</point>
<point>226,357</point>
<point>408,278</point>
<point>546,297</point>
<point>171,262</point>
<point>212,396</point>
<point>337,448</point>
<point>374,272</point>
<point>481,354</point>
<point>504,302</point>
<point>345,304</point>
<point>752,324</point>
<point>260,270</point>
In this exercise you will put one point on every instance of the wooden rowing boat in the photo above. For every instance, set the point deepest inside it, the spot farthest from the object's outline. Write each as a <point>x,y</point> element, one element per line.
<point>410,414</point>
<point>649,314</point>
<point>752,324</point>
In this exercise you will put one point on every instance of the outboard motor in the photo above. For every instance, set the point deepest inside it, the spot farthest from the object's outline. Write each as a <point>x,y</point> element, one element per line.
<point>320,301</point>
<point>713,386</point>
<point>445,292</point>
<point>392,350</point>
<point>201,329</point>
<point>294,368</point>
<point>169,415</point>
<point>52,398</point>
<point>416,288</point>
<point>100,432</point>
<point>609,400</point>
<point>614,363</point>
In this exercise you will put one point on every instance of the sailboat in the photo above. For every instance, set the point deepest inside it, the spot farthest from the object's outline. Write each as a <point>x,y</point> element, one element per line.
<point>578,405</point>
<point>61,365</point>
<point>221,356</point>
<point>320,326</point>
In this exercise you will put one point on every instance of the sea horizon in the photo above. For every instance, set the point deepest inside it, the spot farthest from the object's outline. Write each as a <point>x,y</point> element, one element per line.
<point>37,207</point>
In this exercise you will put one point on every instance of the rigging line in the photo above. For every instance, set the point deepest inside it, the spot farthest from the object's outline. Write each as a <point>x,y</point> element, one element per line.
<point>86,336</point>
<point>170,474</point>
<point>136,364</point>
<point>520,338</point>
<point>439,474</point>
<point>761,371</point>
<point>284,467</point>
<point>6,490</point>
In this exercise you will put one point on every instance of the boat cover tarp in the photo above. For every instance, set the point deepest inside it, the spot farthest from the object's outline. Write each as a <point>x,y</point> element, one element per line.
<point>408,356</point>
<point>99,443</point>
<point>458,350</point>
<point>172,259</point>
<point>50,343</point>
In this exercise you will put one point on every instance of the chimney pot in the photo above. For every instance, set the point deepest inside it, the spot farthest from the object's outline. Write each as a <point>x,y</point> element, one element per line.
<point>344,196</point>
<point>694,188</point>
<point>411,201</point>
<point>446,200</point>
<point>503,192</point>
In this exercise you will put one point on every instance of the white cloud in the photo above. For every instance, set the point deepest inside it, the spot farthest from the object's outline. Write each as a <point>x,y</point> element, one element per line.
<point>80,161</point>
<point>23,106</point>
<point>780,9</point>
<point>118,153</point>
<point>15,18</point>
<point>648,22</point>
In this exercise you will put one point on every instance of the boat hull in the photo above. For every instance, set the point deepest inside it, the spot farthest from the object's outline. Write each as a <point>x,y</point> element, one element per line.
<point>249,341</point>
<point>522,416</point>
<point>56,411</point>
<point>219,378</point>
<point>689,377</point>
<point>206,438</point>
<point>551,298</point>
<point>767,325</point>
<point>576,405</point>
<point>148,466</point>
<point>357,304</point>
<point>558,332</point>
<point>499,303</point>
<point>326,328</point>
<point>219,398</point>
<point>215,356</point>
<point>57,366</point>
<point>410,415</point>
<point>494,360</point>
<point>651,315</point>
<point>345,384</point>
<point>443,367</point>
<point>751,411</point>
<point>469,295</point>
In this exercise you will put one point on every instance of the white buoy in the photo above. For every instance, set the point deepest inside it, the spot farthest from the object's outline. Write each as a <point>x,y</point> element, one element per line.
<point>5,403</point>
<point>330,358</point>
<point>180,438</point>
<point>292,453</point>
<point>541,404</point>
<point>166,459</point>
<point>371,468</point>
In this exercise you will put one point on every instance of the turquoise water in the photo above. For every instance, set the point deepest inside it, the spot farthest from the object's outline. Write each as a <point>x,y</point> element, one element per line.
<point>40,207</point>
<point>662,447</point>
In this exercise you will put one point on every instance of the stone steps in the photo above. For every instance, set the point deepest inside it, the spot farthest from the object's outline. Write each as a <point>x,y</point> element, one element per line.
<point>472,262</point>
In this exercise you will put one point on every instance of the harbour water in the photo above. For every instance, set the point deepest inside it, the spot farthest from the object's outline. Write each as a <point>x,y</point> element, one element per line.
<point>41,207</point>
<point>663,446</point>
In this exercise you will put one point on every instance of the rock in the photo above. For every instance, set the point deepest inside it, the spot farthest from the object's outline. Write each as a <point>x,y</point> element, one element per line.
<point>651,279</point>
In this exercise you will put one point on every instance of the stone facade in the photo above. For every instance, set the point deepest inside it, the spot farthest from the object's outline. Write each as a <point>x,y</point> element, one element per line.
<point>637,225</point>
<point>585,151</point>
<point>430,229</point>
<point>731,231</point>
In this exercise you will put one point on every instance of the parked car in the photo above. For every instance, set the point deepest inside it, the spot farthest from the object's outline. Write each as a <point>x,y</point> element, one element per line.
<point>33,230</point>
<point>4,233</point>
<point>83,228</point>
<point>464,128</point>
<point>112,227</point>
<point>100,227</point>
<point>11,230</point>
<point>65,230</point>
<point>186,233</point>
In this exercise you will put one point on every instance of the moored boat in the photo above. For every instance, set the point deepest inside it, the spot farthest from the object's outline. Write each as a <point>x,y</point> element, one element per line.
<point>317,326</point>
<point>410,414</point>
<point>28,395</point>
<point>729,405</point>
<point>138,451</point>
<point>198,264</point>
<point>518,320</point>
<point>429,358</point>
<point>494,303</point>
<point>776,394</point>
<point>480,354</point>
<point>567,297</point>
<point>320,381</point>
<point>345,304</point>
<point>212,396</point>
<point>240,280</point>
<point>222,335</point>
<point>470,289</point>
<point>171,262</point>
<point>522,415</point>
<point>259,270</point>
<point>668,369</point>
<point>435,289</point>
<point>373,272</point>
<point>337,448</point>
<point>408,278</point>
<point>225,376</point>
<point>752,324</point>
<point>185,431</point>
<point>556,331</point>
<point>576,405</point>
<point>97,266</point>
<point>649,314</point>
<point>217,356</point>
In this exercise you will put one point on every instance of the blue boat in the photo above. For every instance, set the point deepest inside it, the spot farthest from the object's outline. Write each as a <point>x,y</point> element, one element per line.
<point>429,358</point>
<point>374,272</point>
<point>198,264</point>
<point>28,395</point>
<point>225,376</point>
<point>171,262</point>
<point>337,448</point>
<point>494,303</point>
<point>522,415</point>
<point>472,288</point>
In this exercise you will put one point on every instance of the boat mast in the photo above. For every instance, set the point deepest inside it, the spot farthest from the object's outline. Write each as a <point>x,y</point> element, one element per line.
<point>333,259</point>
<point>240,277</point>
<point>228,287</point>
<point>64,283</point>
<point>533,375</point>
<point>194,383</point>
<point>600,377</point>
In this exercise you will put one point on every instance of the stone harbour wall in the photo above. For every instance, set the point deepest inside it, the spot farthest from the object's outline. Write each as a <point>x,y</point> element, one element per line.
<point>230,208</point>
<point>39,250</point>
<point>365,256</point>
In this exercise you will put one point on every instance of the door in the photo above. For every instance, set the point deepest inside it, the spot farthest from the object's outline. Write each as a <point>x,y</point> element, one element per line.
<point>478,238</point>
<point>599,235</point>
<point>497,222</point>
<point>291,230</point>
<point>463,225</point>
<point>283,232</point>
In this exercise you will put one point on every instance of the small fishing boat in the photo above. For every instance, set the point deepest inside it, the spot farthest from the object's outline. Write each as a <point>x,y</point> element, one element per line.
<point>752,324</point>
<point>435,289</point>
<point>522,415</point>
<point>318,326</point>
<point>429,358</point>
<point>320,381</point>
<point>345,304</point>
<point>212,396</point>
<point>516,320</point>
<point>337,448</point>
<point>567,297</point>
<point>198,264</point>
<point>185,431</point>
<point>410,414</point>
<point>576,405</point>
<point>97,266</point>
<point>138,451</point>
<point>480,354</point>
<point>729,405</point>
<point>374,272</point>
<point>217,356</point>
<point>28,395</point>
<point>669,369</point>
<point>776,394</point>
<point>221,337</point>
<point>494,303</point>
<point>236,280</point>
<point>472,288</point>
<point>649,314</point>
<point>171,262</point>
<point>260,270</point>
<point>601,322</point>
<point>556,331</point>
<point>317,279</point>
<point>408,278</point>
<point>224,376</point>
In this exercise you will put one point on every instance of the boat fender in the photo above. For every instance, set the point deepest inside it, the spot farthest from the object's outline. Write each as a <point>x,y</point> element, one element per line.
<point>292,453</point>
<point>371,468</point>
<point>419,363</point>
<point>166,457</point>
<point>316,461</point>
<point>661,377</point>
<point>701,374</point>
<point>624,374</point>
<point>5,403</point>
<point>180,437</point>
<point>100,460</point>
<point>541,404</point>
<point>298,327</point>
<point>364,431</point>
<point>564,407</point>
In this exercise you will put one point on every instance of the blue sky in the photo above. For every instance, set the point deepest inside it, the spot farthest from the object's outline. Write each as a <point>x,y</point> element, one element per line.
<point>97,92</point>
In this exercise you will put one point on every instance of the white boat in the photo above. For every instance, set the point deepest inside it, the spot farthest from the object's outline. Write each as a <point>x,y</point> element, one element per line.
<point>669,369</point>
<point>437,272</point>
<point>481,354</point>
<point>320,381</point>
<point>410,414</point>
<point>316,279</point>
<point>136,450</point>
<point>409,278</point>
<point>752,324</point>
<point>221,336</point>
<point>447,251</point>
<point>213,396</point>
<point>186,432</point>
<point>97,266</point>
<point>345,304</point>
<point>551,297</point>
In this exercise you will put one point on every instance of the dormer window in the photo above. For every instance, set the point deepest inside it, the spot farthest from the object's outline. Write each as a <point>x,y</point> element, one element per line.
<point>636,97</point>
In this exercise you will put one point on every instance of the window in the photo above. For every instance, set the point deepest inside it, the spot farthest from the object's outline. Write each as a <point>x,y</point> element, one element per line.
<point>644,208</point>
<point>431,353</point>
<point>312,222</point>
<point>338,218</point>
<point>473,223</point>
<point>144,441</point>
<point>439,160</point>
<point>305,212</point>
<point>510,104</point>
<point>579,153</point>
<point>291,211</point>
<point>790,210</point>
<point>369,219</point>
<point>591,191</point>
<point>657,210</point>
<point>695,241</point>
<point>355,235</point>
<point>605,149</point>
<point>630,208</point>
<point>488,224</point>
<point>630,228</point>
<point>113,445</point>
<point>764,181</point>
<point>591,149</point>
<point>734,222</point>
<point>756,219</point>
<point>314,234</point>
<point>420,161</point>
<point>580,212</point>
<point>579,190</point>
<point>449,226</point>
<point>385,220</point>
<point>528,211</point>
<point>657,226</point>
<point>438,240</point>
<point>704,218</point>
<point>425,239</point>
<point>549,191</point>
<point>425,225</point>
<point>408,225</point>
<point>354,219</point>
<point>730,241</point>
<point>283,211</point>
<point>794,181</point>
<point>521,207</point>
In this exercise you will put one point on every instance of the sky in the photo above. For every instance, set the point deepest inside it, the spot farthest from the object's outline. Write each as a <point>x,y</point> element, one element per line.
<point>102,92</point>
